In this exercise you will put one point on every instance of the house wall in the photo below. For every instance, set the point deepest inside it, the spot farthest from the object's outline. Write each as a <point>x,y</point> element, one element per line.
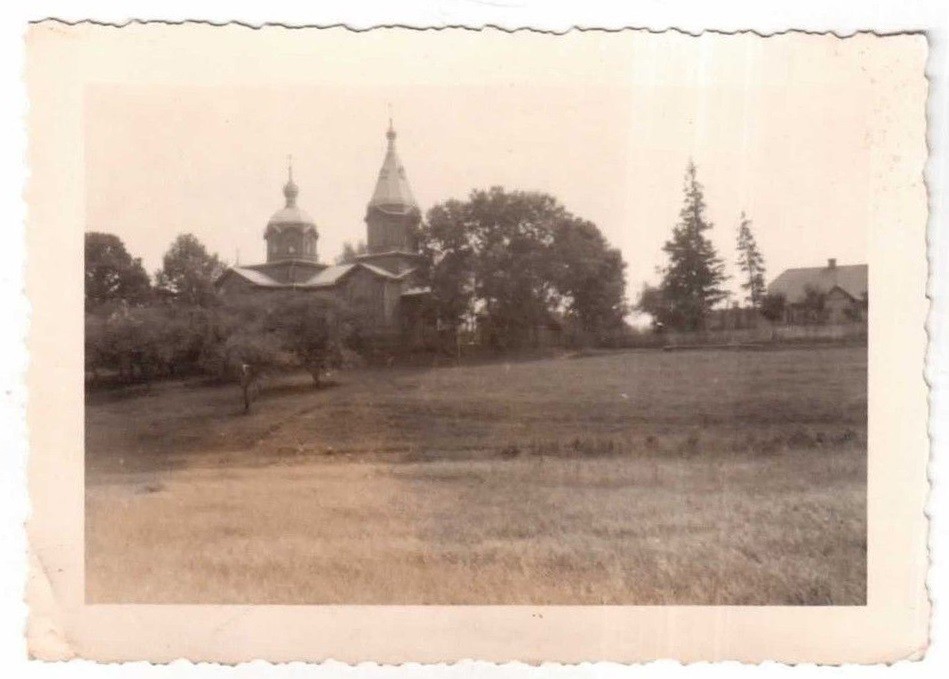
<point>839,306</point>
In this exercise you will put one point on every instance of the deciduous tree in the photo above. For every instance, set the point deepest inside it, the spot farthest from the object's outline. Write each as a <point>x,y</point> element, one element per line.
<point>286,331</point>
<point>189,270</point>
<point>351,252</point>
<point>111,273</point>
<point>516,260</point>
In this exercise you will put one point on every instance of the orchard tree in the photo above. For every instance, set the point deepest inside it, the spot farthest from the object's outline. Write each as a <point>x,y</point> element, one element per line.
<point>189,270</point>
<point>751,263</point>
<point>286,331</point>
<point>692,281</point>
<point>111,273</point>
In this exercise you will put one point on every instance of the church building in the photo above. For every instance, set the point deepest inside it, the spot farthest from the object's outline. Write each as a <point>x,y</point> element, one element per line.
<point>381,285</point>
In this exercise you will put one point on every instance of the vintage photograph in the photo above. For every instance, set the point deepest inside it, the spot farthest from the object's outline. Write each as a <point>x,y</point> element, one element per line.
<point>459,345</point>
<point>497,333</point>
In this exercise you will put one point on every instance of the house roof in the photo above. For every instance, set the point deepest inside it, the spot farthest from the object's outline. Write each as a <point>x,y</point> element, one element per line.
<point>794,283</point>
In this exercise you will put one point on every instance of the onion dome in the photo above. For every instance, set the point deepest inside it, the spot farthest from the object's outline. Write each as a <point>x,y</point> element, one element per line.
<point>290,214</point>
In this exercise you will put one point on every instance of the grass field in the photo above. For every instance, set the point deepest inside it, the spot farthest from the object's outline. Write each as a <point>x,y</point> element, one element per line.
<point>639,477</point>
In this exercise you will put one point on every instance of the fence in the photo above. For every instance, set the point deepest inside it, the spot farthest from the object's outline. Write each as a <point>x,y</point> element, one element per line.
<point>776,334</point>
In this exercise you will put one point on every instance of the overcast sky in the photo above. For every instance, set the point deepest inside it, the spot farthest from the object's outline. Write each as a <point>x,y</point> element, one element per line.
<point>791,130</point>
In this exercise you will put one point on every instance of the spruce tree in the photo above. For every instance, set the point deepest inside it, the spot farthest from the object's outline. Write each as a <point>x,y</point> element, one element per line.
<point>751,263</point>
<point>692,282</point>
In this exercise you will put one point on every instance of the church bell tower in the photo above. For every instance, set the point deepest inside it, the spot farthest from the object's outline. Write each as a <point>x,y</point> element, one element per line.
<point>392,216</point>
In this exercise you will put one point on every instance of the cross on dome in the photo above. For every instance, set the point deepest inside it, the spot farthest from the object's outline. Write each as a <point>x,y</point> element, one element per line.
<point>290,189</point>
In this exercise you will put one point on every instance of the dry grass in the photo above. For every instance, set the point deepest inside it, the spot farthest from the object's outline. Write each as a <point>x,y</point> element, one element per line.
<point>636,477</point>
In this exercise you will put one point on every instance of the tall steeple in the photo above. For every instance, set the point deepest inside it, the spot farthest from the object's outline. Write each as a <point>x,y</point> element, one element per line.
<point>392,216</point>
<point>392,191</point>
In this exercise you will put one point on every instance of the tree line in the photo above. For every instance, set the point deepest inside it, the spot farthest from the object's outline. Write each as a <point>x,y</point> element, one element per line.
<point>692,283</point>
<point>178,327</point>
<point>508,263</point>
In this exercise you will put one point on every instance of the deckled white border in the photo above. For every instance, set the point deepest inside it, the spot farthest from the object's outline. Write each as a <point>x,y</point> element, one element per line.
<point>842,18</point>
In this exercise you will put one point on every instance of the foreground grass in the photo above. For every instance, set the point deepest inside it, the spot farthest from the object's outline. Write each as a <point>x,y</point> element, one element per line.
<point>647,478</point>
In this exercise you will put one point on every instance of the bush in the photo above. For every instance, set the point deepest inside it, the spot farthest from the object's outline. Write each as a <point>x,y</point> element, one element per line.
<point>272,332</point>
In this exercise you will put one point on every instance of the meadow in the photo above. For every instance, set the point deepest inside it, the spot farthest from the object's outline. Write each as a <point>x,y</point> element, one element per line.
<point>628,477</point>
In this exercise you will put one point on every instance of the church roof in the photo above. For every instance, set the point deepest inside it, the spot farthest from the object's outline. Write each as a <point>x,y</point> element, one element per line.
<point>392,193</point>
<point>254,276</point>
<point>329,276</point>
<point>793,283</point>
<point>378,270</point>
<point>291,214</point>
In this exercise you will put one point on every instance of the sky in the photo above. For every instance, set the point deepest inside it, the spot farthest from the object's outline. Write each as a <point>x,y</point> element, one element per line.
<point>792,130</point>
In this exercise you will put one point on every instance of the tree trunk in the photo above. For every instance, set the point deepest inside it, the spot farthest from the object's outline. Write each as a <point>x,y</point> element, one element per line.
<point>316,373</point>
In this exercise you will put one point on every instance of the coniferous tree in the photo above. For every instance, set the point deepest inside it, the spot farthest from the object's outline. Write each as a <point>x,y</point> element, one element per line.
<point>692,282</point>
<point>751,263</point>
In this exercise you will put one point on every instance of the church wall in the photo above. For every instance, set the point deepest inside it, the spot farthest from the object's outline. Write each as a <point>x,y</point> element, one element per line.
<point>235,285</point>
<point>395,263</point>
<point>289,271</point>
<point>365,294</point>
<point>291,242</point>
<point>390,231</point>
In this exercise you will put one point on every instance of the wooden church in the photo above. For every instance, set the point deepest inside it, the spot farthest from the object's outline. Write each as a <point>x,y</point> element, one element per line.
<point>381,285</point>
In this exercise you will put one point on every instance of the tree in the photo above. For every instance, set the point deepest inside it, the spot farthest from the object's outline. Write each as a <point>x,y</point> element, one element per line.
<point>286,331</point>
<point>814,306</point>
<point>516,260</point>
<point>351,252</point>
<point>652,301</point>
<point>692,281</point>
<point>449,250</point>
<point>189,271</point>
<point>111,273</point>
<point>751,263</point>
<point>773,306</point>
<point>589,275</point>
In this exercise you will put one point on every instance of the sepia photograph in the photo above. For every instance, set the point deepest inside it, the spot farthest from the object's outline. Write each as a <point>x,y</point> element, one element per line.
<point>612,353</point>
<point>481,319</point>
